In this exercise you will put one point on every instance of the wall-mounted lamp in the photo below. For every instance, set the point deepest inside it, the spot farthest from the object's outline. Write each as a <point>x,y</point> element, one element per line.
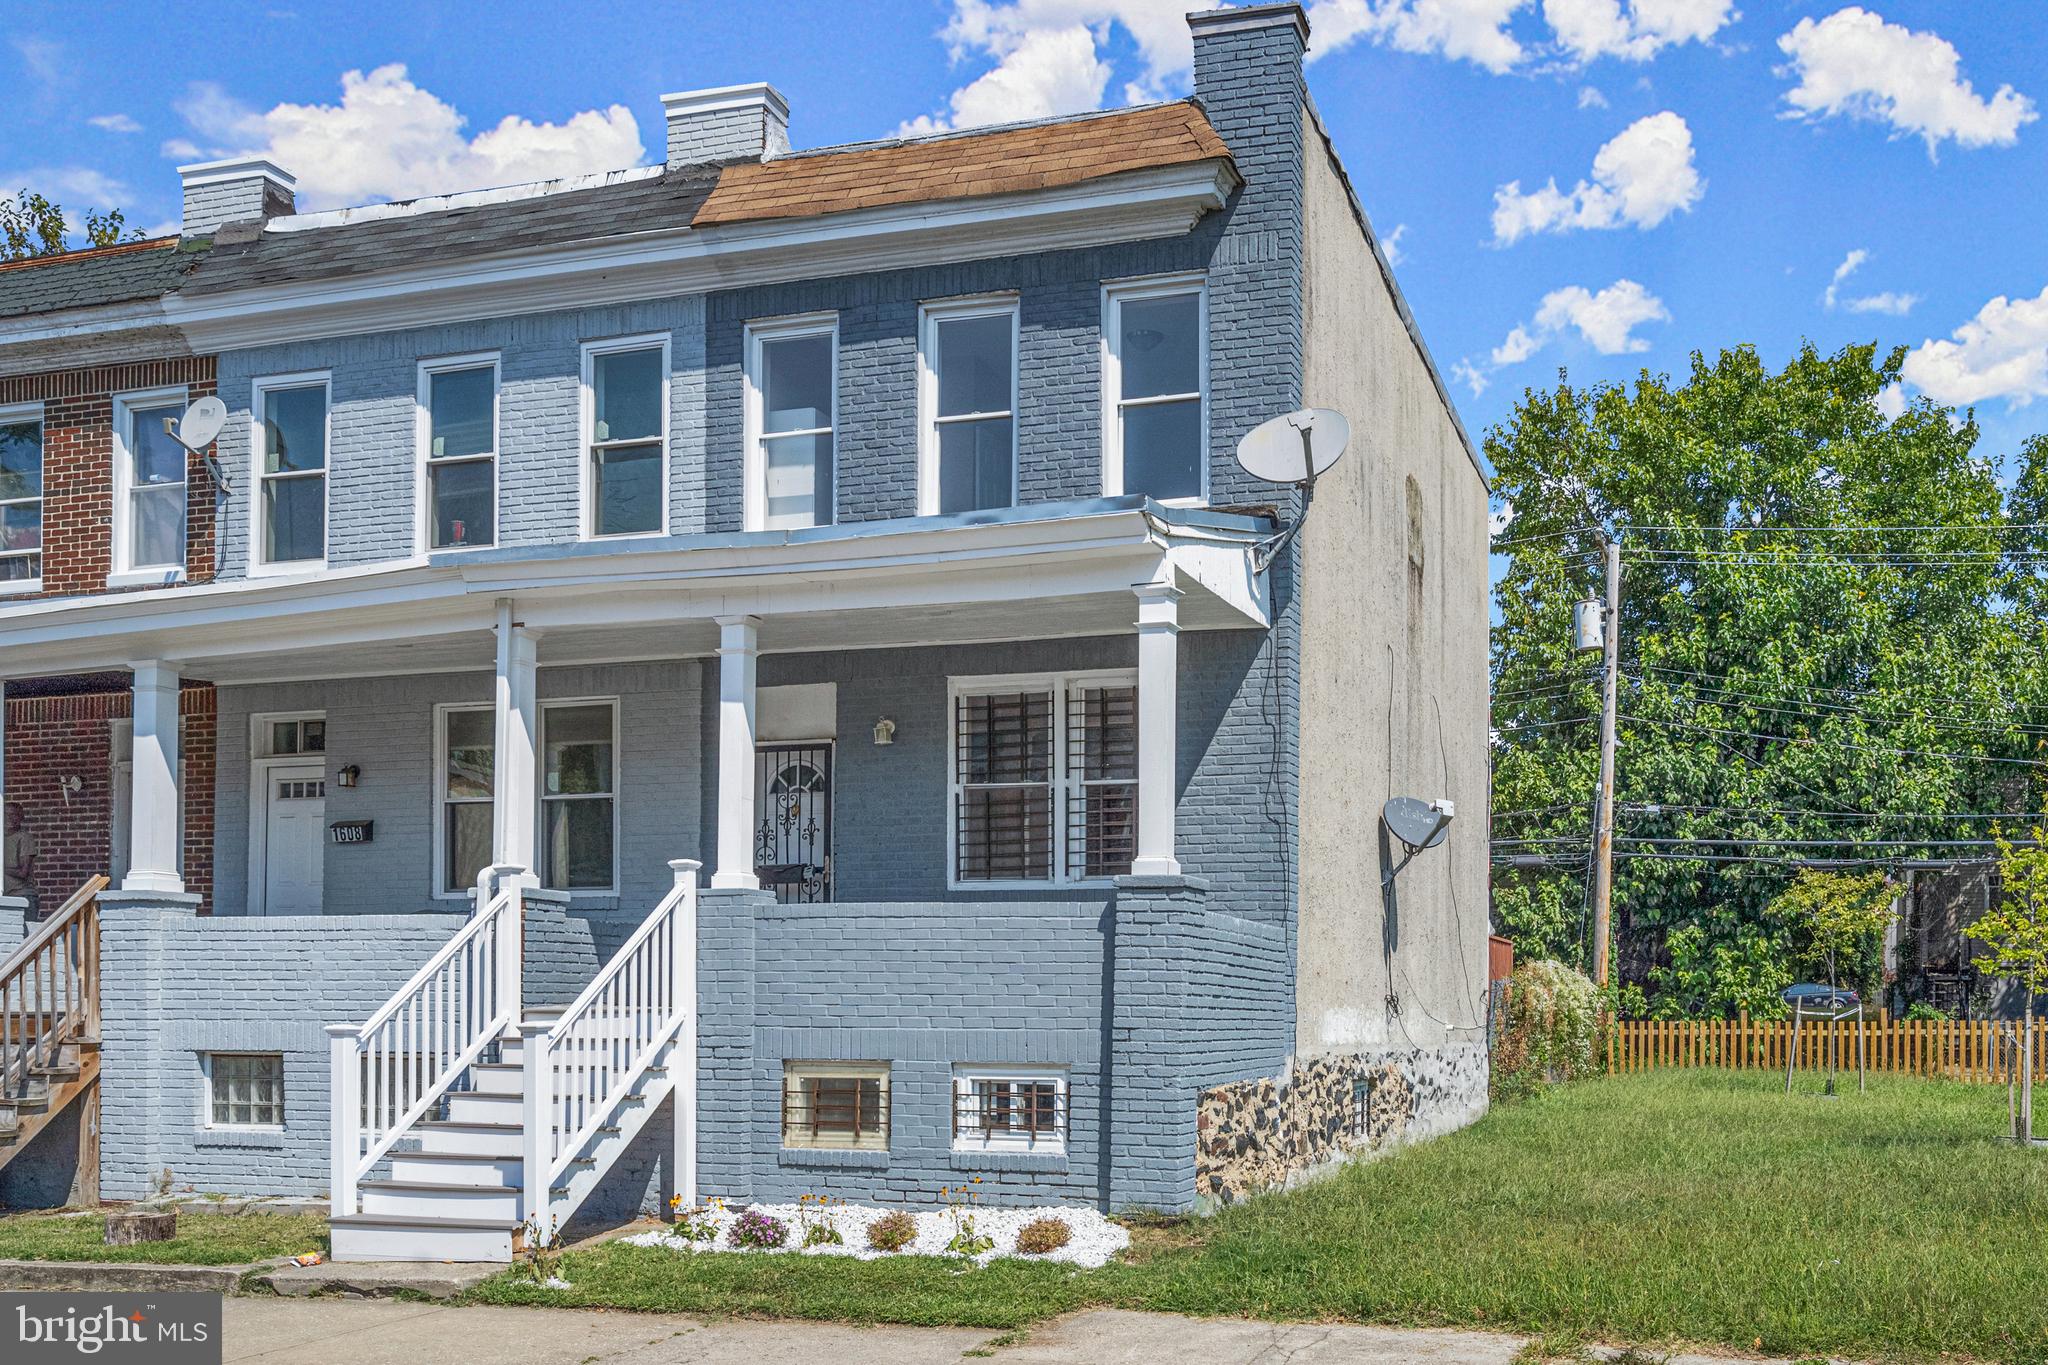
<point>70,786</point>
<point>348,776</point>
<point>885,731</point>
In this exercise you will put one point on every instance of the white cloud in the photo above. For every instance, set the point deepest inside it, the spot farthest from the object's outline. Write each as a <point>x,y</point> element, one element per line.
<point>74,187</point>
<point>389,139</point>
<point>1890,402</point>
<point>180,149</point>
<point>1470,375</point>
<point>114,123</point>
<point>1464,30</point>
<point>1641,177</point>
<point>1390,245</point>
<point>1518,347</point>
<point>1037,74</point>
<point>1889,301</point>
<point>43,58</point>
<point>1587,29</point>
<point>1591,98</point>
<point>1498,520</point>
<point>1854,63</point>
<point>2000,353</point>
<point>1606,320</point>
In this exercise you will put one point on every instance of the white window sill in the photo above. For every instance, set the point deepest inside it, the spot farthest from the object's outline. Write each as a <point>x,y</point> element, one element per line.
<point>288,568</point>
<point>165,577</point>
<point>608,536</point>
<point>20,587</point>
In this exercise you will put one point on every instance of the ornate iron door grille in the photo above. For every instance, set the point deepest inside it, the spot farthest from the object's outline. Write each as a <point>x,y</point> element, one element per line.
<point>793,841</point>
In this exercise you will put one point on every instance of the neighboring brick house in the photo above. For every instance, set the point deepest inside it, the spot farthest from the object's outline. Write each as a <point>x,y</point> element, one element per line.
<point>864,523</point>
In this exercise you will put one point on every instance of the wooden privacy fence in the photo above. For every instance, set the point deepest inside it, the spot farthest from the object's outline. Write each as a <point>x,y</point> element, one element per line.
<point>1952,1049</point>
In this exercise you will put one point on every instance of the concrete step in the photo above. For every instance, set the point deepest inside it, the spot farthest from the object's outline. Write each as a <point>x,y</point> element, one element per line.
<point>470,1139</point>
<point>380,1237</point>
<point>418,1199</point>
<point>455,1168</point>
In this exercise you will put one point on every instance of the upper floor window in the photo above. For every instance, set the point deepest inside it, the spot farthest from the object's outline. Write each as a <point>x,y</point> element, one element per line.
<point>459,412</point>
<point>792,379</point>
<point>1155,373</point>
<point>21,497</point>
<point>625,488</point>
<point>149,488</point>
<point>291,470</point>
<point>968,400</point>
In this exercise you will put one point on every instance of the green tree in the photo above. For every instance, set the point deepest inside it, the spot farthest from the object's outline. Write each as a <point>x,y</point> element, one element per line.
<point>30,225</point>
<point>1845,914</point>
<point>1795,666</point>
<point>2015,935</point>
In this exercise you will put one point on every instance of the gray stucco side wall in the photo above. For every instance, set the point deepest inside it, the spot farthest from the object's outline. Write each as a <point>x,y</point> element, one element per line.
<point>1394,640</point>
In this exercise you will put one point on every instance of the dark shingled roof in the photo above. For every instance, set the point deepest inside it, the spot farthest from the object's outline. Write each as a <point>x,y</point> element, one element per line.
<point>87,279</point>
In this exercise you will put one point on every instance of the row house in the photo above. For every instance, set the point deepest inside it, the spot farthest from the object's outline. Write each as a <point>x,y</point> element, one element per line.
<point>751,674</point>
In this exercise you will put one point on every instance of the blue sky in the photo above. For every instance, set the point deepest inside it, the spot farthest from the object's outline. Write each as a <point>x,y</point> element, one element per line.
<point>1715,164</point>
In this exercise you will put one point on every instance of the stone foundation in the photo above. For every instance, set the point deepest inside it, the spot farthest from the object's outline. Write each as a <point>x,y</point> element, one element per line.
<point>1278,1131</point>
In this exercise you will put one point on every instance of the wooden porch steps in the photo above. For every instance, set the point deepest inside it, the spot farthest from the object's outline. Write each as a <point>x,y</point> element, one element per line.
<point>49,1033</point>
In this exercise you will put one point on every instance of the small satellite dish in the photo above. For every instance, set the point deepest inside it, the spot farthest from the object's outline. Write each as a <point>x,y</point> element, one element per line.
<point>1418,824</point>
<point>201,423</point>
<point>1294,447</point>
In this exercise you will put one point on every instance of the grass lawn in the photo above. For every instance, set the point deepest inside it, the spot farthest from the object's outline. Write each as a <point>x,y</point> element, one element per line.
<point>1659,1208</point>
<point>203,1238</point>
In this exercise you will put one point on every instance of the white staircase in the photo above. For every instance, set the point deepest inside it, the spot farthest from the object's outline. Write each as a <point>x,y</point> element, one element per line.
<point>500,1131</point>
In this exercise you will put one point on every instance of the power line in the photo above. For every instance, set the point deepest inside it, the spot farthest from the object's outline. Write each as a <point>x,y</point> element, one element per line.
<point>1837,690</point>
<point>1793,706</point>
<point>1660,808</point>
<point>1838,743</point>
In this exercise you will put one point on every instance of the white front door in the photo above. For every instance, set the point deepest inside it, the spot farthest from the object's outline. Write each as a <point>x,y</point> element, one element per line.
<point>294,816</point>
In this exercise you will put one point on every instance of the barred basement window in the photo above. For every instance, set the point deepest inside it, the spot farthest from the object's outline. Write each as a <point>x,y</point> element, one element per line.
<point>1010,1109</point>
<point>244,1089</point>
<point>841,1105</point>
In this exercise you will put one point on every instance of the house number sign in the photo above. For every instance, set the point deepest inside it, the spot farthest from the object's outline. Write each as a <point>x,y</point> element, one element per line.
<point>353,831</point>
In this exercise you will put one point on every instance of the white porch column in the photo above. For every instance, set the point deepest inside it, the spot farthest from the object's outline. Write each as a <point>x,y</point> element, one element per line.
<point>737,648</point>
<point>515,806</point>
<point>154,863</point>
<point>1158,728</point>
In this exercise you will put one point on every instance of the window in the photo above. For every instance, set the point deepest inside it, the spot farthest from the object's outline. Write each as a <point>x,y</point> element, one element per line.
<point>626,430</point>
<point>459,426</point>
<point>792,377</point>
<point>244,1089</point>
<point>836,1104</point>
<point>21,498</point>
<point>291,471</point>
<point>968,386</point>
<point>1155,368</point>
<point>468,749</point>
<point>282,736</point>
<point>1010,1109</point>
<point>1044,784</point>
<point>579,822</point>
<point>149,489</point>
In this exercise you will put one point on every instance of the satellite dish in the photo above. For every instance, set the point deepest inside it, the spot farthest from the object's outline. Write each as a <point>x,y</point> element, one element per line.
<point>1294,447</point>
<point>1418,824</point>
<point>201,423</point>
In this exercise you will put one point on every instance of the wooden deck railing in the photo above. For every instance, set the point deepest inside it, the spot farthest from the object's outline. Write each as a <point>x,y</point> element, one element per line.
<point>50,990</point>
<point>1953,1049</point>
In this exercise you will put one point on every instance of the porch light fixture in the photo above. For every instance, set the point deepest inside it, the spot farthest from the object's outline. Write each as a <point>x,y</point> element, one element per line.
<point>348,776</point>
<point>885,731</point>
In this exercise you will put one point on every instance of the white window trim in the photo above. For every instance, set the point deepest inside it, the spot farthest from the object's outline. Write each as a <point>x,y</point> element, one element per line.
<point>808,1068</point>
<point>124,573</point>
<point>754,471</point>
<point>964,1078</point>
<point>587,428</point>
<point>259,721</point>
<point>930,315</point>
<point>1114,294</point>
<point>9,416</point>
<point>206,1092</point>
<point>442,711</point>
<point>423,435</point>
<point>259,394</point>
<point>541,797</point>
<point>1059,684</point>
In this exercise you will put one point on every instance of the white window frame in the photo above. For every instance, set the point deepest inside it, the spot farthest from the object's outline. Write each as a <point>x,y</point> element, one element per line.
<point>12,415</point>
<point>966,1077</point>
<point>206,1059</point>
<point>1115,294</point>
<point>259,396</point>
<point>754,471</point>
<point>540,783</point>
<point>423,435</point>
<point>587,429</point>
<point>930,316</point>
<point>125,573</point>
<point>1062,783</point>
<point>442,711</point>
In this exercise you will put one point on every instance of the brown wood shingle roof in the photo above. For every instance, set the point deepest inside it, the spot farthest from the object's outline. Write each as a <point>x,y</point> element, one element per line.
<point>1004,162</point>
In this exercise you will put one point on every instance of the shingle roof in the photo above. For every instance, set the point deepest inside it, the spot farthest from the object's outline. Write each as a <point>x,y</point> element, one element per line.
<point>86,279</point>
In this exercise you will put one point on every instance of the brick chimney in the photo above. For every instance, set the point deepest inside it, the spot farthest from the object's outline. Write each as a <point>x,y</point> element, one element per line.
<point>241,189</point>
<point>730,123</point>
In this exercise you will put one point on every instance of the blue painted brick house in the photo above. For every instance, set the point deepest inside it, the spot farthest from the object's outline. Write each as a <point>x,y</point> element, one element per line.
<point>752,675</point>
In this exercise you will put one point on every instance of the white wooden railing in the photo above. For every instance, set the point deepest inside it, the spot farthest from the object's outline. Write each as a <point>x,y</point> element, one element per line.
<point>388,1074</point>
<point>50,990</point>
<point>580,1067</point>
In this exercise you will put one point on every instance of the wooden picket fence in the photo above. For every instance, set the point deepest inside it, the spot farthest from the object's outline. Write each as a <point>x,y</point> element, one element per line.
<point>1953,1049</point>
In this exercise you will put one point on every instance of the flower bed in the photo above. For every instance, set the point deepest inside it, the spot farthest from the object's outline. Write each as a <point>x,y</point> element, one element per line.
<point>1093,1241</point>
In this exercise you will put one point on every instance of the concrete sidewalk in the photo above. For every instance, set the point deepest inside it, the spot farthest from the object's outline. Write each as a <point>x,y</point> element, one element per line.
<point>382,1332</point>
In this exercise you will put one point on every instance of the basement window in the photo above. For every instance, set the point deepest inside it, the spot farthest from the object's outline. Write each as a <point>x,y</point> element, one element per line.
<point>1010,1109</point>
<point>243,1089</point>
<point>842,1105</point>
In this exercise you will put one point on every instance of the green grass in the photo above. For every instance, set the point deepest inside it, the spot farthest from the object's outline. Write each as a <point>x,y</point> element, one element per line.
<point>203,1239</point>
<point>1666,1208</point>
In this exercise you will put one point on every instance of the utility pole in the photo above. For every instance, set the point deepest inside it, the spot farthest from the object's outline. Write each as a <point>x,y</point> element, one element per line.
<point>1603,819</point>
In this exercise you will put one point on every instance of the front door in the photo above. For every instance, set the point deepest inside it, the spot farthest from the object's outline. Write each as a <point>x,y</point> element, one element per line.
<point>295,813</point>
<point>793,802</point>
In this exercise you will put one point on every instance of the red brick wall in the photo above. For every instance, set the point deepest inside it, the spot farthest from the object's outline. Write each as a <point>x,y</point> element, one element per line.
<point>51,738</point>
<point>78,467</point>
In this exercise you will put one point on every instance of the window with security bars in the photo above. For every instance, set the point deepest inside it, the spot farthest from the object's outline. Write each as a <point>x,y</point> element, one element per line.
<point>245,1090</point>
<point>836,1104</point>
<point>1045,780</point>
<point>1009,1110</point>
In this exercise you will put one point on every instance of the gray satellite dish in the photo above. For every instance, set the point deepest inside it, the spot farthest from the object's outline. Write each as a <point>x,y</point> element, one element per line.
<point>1417,824</point>
<point>1294,447</point>
<point>201,423</point>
